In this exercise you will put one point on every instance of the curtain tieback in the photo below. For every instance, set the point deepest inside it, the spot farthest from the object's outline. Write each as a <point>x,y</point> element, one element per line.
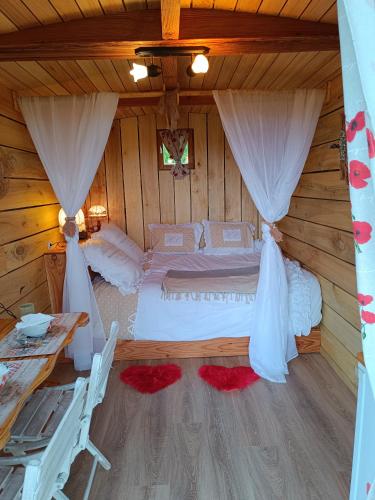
<point>276,234</point>
<point>69,228</point>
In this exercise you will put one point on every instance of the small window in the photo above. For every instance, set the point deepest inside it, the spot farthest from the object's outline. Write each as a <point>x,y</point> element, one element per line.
<point>164,158</point>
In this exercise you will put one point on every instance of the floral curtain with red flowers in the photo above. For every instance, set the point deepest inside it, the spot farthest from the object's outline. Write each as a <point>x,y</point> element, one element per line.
<point>357,29</point>
<point>175,141</point>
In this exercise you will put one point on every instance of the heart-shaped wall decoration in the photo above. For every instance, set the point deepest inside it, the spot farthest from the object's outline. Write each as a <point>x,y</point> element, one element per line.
<point>149,379</point>
<point>228,379</point>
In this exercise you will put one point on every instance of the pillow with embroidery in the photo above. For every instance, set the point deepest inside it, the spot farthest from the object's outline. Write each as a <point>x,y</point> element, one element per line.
<point>175,238</point>
<point>228,237</point>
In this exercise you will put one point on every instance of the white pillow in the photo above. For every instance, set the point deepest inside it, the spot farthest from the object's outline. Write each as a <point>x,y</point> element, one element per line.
<point>175,238</point>
<point>113,264</point>
<point>223,238</point>
<point>113,234</point>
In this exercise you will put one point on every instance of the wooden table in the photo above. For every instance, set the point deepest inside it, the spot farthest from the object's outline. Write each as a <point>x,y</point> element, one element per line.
<point>28,371</point>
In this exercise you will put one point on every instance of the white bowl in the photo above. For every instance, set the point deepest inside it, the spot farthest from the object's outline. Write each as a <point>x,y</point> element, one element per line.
<point>34,330</point>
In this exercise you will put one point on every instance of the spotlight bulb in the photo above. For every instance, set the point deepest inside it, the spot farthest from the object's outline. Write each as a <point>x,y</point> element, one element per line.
<point>138,72</point>
<point>200,64</point>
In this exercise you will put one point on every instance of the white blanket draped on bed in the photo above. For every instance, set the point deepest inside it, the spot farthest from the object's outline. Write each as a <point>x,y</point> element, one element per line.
<point>187,320</point>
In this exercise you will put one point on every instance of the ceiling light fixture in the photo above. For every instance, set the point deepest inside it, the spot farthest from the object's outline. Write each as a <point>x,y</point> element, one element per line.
<point>171,51</point>
<point>200,65</point>
<point>140,71</point>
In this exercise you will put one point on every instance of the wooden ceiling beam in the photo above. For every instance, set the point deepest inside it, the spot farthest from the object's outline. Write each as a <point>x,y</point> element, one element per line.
<point>170,19</point>
<point>185,99</point>
<point>170,28</point>
<point>118,35</point>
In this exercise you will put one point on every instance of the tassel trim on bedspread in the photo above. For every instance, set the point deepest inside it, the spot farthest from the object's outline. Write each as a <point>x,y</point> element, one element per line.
<point>208,296</point>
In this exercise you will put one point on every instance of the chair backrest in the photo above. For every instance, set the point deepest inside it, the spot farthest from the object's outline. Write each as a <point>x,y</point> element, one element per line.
<point>101,365</point>
<point>47,474</point>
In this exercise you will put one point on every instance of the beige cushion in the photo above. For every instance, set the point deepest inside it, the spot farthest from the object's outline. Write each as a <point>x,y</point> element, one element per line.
<point>175,238</point>
<point>228,237</point>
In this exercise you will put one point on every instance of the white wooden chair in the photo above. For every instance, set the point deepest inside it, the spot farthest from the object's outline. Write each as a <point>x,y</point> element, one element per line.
<point>42,475</point>
<point>40,417</point>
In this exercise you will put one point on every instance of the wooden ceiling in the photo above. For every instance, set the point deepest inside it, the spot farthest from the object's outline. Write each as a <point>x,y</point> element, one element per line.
<point>250,71</point>
<point>21,14</point>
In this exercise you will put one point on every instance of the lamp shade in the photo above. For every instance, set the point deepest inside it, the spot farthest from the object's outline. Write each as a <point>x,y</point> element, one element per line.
<point>80,219</point>
<point>97,211</point>
<point>138,72</point>
<point>200,64</point>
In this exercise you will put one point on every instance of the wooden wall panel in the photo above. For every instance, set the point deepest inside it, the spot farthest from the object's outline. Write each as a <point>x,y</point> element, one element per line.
<point>322,158</point>
<point>329,128</point>
<point>149,172</point>
<point>182,192</point>
<point>318,232</point>
<point>28,214</point>
<point>330,213</point>
<point>20,252</point>
<point>39,297</point>
<point>198,177</point>
<point>17,224</point>
<point>323,185</point>
<point>166,187</point>
<point>15,135</point>
<point>112,155</point>
<point>150,196</point>
<point>216,209</point>
<point>23,164</point>
<point>132,179</point>
<point>232,186</point>
<point>342,302</point>
<point>98,190</point>
<point>19,193</point>
<point>333,241</point>
<point>335,270</point>
<point>248,209</point>
<point>16,284</point>
<point>341,360</point>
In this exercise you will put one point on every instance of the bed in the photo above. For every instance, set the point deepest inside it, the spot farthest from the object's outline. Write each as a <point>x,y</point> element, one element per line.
<point>153,326</point>
<point>155,323</point>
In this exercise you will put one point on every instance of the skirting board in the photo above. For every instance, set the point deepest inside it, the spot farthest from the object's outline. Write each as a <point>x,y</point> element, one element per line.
<point>225,346</point>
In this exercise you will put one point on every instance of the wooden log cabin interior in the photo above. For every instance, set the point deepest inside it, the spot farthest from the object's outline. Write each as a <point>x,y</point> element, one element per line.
<point>189,441</point>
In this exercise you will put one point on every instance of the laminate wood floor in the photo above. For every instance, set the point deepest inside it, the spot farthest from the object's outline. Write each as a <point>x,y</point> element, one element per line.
<point>190,442</point>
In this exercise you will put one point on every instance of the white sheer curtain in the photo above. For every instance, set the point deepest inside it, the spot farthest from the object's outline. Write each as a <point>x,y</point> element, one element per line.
<point>70,134</point>
<point>270,134</point>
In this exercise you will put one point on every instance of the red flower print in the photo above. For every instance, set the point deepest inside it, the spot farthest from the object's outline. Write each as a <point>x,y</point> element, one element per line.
<point>358,172</point>
<point>362,231</point>
<point>371,143</point>
<point>368,317</point>
<point>365,300</point>
<point>355,125</point>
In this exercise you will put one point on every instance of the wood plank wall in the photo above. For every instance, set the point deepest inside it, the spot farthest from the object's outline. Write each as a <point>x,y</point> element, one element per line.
<point>318,232</point>
<point>136,194</point>
<point>28,214</point>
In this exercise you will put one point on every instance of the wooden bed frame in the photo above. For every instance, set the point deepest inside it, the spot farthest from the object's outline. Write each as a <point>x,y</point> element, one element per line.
<point>225,346</point>
<point>151,349</point>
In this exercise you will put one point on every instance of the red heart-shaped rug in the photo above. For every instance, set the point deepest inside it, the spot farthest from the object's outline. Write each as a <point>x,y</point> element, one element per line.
<point>228,379</point>
<point>150,379</point>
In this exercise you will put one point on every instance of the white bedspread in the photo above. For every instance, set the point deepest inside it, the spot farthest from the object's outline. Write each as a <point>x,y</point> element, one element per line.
<point>187,320</point>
